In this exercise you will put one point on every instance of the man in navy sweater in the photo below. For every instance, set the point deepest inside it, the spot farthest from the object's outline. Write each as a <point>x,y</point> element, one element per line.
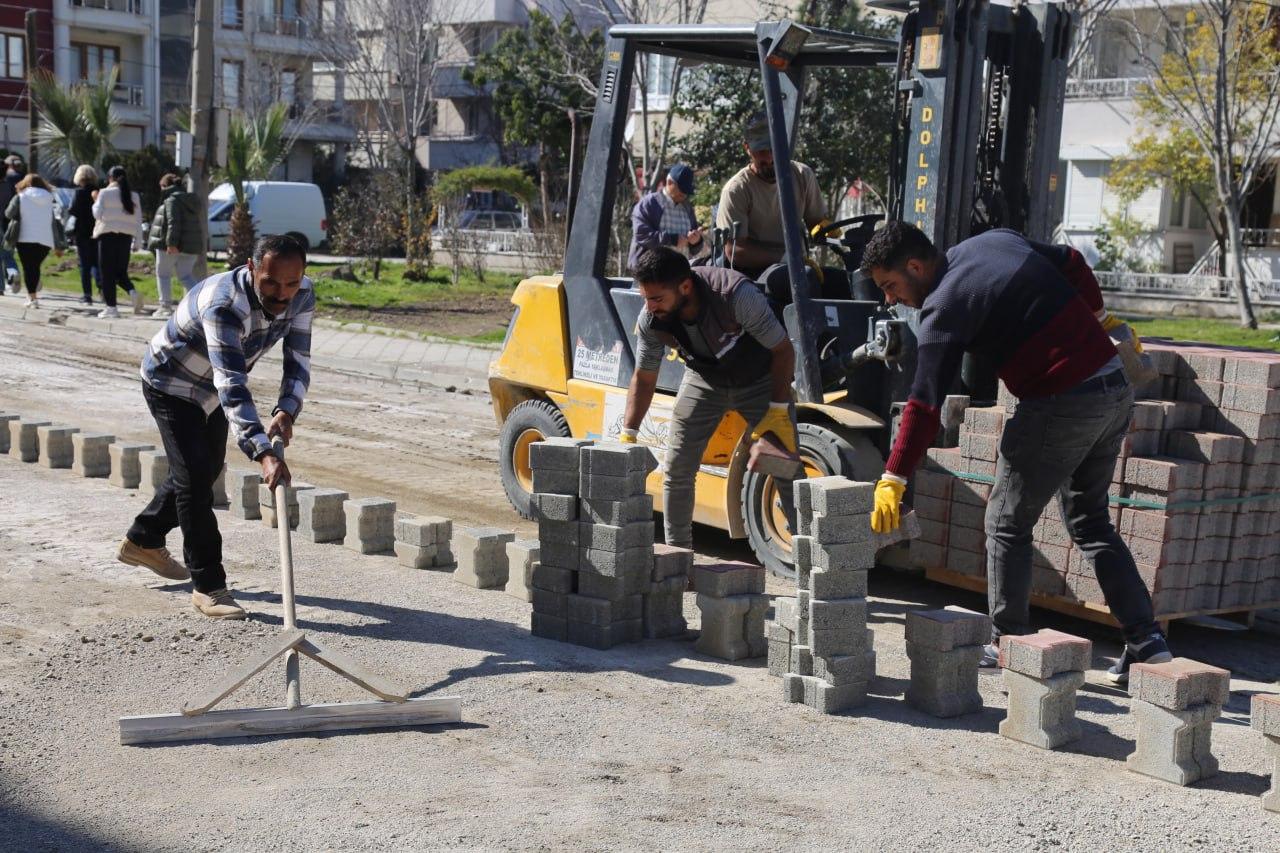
<point>1036,311</point>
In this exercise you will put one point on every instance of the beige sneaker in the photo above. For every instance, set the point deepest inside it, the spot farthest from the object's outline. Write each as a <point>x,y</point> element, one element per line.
<point>158,560</point>
<point>217,605</point>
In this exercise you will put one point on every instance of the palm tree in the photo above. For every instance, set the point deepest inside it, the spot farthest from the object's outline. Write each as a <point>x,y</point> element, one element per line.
<point>76,123</point>
<point>255,146</point>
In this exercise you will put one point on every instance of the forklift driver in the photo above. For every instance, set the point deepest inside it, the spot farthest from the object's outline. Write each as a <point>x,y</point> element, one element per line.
<point>1038,312</point>
<point>737,357</point>
<point>749,204</point>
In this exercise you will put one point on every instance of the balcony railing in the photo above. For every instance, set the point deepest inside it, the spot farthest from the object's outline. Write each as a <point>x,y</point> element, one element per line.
<point>127,93</point>
<point>286,25</point>
<point>1178,286</point>
<point>1103,89</point>
<point>133,7</point>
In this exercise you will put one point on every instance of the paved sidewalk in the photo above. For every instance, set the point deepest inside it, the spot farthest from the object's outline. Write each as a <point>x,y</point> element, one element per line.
<point>354,348</point>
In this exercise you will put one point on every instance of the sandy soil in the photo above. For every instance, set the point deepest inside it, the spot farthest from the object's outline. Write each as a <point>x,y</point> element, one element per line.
<point>455,317</point>
<point>642,747</point>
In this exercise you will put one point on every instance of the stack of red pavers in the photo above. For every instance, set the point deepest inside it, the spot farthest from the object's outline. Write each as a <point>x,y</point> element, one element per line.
<point>1196,491</point>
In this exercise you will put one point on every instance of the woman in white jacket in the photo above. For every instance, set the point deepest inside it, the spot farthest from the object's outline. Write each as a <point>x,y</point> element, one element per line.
<point>38,230</point>
<point>118,211</point>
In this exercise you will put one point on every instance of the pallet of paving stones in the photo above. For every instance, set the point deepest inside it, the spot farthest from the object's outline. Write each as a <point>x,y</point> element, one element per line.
<point>1195,494</point>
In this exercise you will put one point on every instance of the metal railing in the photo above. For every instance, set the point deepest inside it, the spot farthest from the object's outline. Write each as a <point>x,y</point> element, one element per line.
<point>126,93</point>
<point>285,25</point>
<point>1253,238</point>
<point>133,7</point>
<point>523,242</point>
<point>1186,286</point>
<point>1105,88</point>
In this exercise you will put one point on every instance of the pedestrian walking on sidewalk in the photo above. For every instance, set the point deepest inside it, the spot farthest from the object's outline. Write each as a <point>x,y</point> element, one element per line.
<point>33,230</point>
<point>1037,312</point>
<point>81,236</point>
<point>176,239</point>
<point>13,173</point>
<point>118,211</point>
<point>195,381</point>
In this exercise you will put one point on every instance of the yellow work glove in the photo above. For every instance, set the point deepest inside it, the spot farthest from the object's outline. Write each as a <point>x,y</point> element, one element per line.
<point>777,421</point>
<point>628,436</point>
<point>1110,322</point>
<point>888,514</point>
<point>833,233</point>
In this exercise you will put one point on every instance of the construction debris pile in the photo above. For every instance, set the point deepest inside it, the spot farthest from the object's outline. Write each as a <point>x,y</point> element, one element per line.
<point>1196,490</point>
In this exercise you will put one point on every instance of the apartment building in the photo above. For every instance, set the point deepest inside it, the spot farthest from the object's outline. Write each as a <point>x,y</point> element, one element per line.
<point>91,38</point>
<point>14,131</point>
<point>1099,119</point>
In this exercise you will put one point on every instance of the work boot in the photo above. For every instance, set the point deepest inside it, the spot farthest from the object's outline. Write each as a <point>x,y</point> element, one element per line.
<point>217,605</point>
<point>158,560</point>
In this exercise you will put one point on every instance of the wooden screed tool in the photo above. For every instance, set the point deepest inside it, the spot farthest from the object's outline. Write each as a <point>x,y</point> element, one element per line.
<point>197,720</point>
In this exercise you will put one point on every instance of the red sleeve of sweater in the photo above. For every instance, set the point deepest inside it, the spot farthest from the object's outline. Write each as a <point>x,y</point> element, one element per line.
<point>916,433</point>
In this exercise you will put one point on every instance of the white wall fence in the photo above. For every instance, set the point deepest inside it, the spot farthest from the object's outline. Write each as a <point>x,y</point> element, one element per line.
<point>1183,295</point>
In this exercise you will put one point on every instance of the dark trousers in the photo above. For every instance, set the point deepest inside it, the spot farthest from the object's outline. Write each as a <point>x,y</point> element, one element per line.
<point>1065,445</point>
<point>196,445</point>
<point>113,265</point>
<point>31,256</point>
<point>87,256</point>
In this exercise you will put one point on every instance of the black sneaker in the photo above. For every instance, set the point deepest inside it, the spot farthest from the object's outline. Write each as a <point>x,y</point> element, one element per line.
<point>990,656</point>
<point>1154,650</point>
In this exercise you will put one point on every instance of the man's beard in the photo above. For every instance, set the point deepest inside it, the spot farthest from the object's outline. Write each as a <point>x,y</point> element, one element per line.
<point>766,173</point>
<point>677,310</point>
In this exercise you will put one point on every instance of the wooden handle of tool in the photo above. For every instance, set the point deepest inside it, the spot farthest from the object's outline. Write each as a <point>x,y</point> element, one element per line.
<point>292,675</point>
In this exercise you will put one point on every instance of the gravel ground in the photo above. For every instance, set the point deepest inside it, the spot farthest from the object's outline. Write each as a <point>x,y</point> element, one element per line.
<point>641,747</point>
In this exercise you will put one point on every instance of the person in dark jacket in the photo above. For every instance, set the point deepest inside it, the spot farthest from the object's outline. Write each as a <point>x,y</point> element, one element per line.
<point>8,189</point>
<point>1036,311</point>
<point>666,218</point>
<point>86,181</point>
<point>737,357</point>
<point>176,239</point>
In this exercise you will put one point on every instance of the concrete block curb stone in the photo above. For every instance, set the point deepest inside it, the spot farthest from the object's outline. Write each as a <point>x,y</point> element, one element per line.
<point>1265,718</point>
<point>1042,672</point>
<point>92,454</point>
<point>522,556</point>
<point>6,419</point>
<point>154,465</point>
<point>481,553</point>
<point>322,515</point>
<point>424,542</point>
<point>267,503</point>
<point>944,647</point>
<point>370,525</point>
<point>243,494</point>
<point>24,441</point>
<point>126,465</point>
<point>56,449</point>
<point>1175,704</point>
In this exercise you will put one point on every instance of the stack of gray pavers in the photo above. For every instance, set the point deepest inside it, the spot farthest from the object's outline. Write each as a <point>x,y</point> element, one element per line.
<point>243,494</point>
<point>732,602</point>
<point>482,556</point>
<point>1042,672</point>
<point>424,541</point>
<point>370,525</point>
<point>833,657</point>
<point>1264,716</point>
<point>664,596</point>
<point>56,449</point>
<point>267,501</point>
<point>92,454</point>
<point>24,441</point>
<point>595,542</point>
<point>1175,704</point>
<point>126,465</point>
<point>321,515</point>
<point>5,420</point>
<point>155,470</point>
<point>522,556</point>
<point>944,647</point>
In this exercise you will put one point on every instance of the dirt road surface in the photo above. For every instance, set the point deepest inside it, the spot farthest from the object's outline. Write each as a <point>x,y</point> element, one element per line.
<point>642,747</point>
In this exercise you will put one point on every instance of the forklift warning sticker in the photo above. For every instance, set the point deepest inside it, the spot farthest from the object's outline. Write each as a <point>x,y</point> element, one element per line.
<point>597,365</point>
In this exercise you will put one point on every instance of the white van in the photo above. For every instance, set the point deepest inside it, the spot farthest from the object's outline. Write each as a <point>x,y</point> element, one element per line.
<point>277,207</point>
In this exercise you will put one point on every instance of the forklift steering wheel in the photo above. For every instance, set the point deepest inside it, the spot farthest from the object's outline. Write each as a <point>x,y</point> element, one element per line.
<point>866,220</point>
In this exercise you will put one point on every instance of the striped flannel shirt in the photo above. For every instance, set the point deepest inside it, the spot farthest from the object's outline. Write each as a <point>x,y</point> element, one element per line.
<point>219,331</point>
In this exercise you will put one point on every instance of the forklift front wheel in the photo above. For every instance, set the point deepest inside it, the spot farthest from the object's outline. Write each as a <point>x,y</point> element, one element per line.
<point>532,420</point>
<point>824,452</point>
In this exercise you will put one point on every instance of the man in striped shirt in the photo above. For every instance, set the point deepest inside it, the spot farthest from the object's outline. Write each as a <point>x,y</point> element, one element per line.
<point>195,379</point>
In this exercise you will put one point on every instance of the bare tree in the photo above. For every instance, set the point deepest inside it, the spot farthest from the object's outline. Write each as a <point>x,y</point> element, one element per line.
<point>1091,16</point>
<point>1218,81</point>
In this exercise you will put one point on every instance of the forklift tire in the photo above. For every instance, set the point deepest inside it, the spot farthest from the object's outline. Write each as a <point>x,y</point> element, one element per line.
<point>825,452</point>
<point>532,420</point>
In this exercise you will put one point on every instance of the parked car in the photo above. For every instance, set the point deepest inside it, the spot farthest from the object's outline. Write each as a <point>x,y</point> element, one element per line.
<point>277,207</point>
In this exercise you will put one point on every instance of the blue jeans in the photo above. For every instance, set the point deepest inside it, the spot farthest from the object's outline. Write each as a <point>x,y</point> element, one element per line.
<point>8,263</point>
<point>1064,446</point>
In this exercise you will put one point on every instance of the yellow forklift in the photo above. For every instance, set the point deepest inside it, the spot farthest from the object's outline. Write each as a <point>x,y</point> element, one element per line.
<point>976,130</point>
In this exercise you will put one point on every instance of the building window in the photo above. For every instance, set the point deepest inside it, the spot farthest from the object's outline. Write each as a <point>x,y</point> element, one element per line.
<point>93,62</point>
<point>232,14</point>
<point>232,75</point>
<point>659,81</point>
<point>328,16</point>
<point>288,87</point>
<point>11,47</point>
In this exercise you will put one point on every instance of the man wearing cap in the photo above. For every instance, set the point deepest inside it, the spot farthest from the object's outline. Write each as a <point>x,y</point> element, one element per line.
<point>749,204</point>
<point>666,218</point>
<point>13,173</point>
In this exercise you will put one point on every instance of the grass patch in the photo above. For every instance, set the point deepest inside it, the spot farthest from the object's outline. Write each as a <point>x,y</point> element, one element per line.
<point>1220,332</point>
<point>472,310</point>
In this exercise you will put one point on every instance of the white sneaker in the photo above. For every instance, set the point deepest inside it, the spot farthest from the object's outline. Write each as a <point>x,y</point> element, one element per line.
<point>33,302</point>
<point>109,313</point>
<point>162,312</point>
<point>136,296</point>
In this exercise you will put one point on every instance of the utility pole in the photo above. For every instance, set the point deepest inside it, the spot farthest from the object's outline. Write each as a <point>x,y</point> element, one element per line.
<point>201,118</point>
<point>29,67</point>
